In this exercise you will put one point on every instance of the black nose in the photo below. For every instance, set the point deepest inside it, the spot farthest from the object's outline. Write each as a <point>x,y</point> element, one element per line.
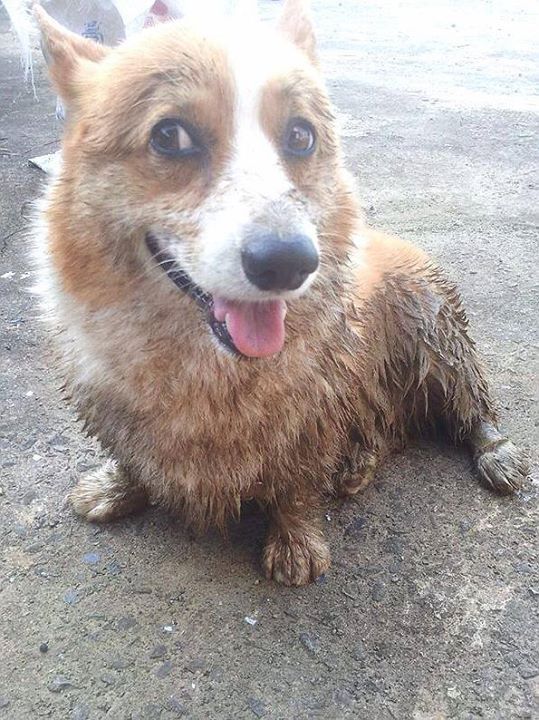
<point>274,262</point>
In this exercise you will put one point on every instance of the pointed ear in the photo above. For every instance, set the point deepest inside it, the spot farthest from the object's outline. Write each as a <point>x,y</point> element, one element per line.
<point>66,53</point>
<point>297,25</point>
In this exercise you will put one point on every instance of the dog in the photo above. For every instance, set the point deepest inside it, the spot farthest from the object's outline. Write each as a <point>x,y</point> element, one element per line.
<point>230,328</point>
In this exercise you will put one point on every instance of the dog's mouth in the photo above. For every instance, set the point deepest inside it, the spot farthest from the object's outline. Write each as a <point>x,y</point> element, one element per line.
<point>249,329</point>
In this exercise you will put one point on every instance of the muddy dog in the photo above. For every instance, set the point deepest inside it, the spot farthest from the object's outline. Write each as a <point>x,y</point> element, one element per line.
<point>229,327</point>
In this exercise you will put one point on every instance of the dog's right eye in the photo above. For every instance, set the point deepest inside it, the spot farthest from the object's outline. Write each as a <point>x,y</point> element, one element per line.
<point>171,137</point>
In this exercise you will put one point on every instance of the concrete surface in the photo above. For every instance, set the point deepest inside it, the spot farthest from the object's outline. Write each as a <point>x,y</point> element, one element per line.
<point>430,609</point>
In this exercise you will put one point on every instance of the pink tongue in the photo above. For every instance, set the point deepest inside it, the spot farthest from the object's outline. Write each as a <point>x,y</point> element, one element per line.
<point>256,328</point>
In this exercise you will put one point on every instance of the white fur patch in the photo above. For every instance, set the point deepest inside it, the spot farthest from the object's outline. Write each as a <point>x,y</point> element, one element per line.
<point>254,179</point>
<point>62,313</point>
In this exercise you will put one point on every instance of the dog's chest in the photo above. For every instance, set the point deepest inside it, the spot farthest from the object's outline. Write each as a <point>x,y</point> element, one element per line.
<point>196,427</point>
<point>190,420</point>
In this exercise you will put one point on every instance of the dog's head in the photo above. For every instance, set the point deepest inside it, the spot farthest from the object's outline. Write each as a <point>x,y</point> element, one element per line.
<point>211,152</point>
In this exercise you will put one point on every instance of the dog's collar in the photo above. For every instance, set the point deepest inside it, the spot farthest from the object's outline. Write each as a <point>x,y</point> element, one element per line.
<point>187,285</point>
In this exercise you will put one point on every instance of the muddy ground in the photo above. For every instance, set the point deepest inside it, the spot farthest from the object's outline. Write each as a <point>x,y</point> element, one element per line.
<point>430,608</point>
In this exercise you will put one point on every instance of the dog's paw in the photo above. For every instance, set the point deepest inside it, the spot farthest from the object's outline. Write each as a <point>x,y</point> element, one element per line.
<point>106,494</point>
<point>357,473</point>
<point>296,558</point>
<point>502,467</point>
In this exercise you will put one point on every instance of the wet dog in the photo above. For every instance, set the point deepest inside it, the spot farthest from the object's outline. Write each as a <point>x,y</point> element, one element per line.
<point>230,328</point>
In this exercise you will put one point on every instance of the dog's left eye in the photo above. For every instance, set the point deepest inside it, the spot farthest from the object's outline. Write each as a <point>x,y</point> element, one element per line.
<point>300,138</point>
<point>170,137</point>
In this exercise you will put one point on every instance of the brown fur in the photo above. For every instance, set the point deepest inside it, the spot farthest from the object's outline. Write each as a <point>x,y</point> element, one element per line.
<point>374,353</point>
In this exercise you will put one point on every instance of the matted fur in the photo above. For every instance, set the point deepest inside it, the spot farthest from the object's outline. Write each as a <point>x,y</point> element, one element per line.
<point>377,347</point>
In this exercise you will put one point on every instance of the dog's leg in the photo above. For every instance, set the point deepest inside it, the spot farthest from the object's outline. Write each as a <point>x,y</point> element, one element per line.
<point>296,552</point>
<point>449,376</point>
<point>106,494</point>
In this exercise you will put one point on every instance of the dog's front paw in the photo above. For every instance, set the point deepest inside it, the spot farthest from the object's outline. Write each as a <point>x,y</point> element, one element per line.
<point>297,557</point>
<point>502,466</point>
<point>106,494</point>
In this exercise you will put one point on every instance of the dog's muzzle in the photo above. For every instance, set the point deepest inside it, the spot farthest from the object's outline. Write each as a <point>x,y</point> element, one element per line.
<point>186,284</point>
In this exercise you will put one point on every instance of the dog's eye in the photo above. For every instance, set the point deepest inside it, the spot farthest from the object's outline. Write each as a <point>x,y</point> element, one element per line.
<point>300,138</point>
<point>170,137</point>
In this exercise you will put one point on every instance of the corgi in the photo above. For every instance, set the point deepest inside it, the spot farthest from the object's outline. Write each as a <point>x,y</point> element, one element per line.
<point>230,328</point>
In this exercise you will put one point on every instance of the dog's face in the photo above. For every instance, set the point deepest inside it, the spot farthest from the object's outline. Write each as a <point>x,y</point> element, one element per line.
<point>211,154</point>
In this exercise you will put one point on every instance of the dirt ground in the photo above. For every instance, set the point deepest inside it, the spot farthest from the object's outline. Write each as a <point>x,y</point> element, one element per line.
<point>430,609</point>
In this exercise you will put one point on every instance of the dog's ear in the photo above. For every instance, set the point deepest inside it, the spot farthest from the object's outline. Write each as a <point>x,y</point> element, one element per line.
<point>297,25</point>
<point>67,54</point>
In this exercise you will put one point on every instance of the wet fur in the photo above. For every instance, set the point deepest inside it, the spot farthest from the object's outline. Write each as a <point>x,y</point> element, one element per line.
<point>377,351</point>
